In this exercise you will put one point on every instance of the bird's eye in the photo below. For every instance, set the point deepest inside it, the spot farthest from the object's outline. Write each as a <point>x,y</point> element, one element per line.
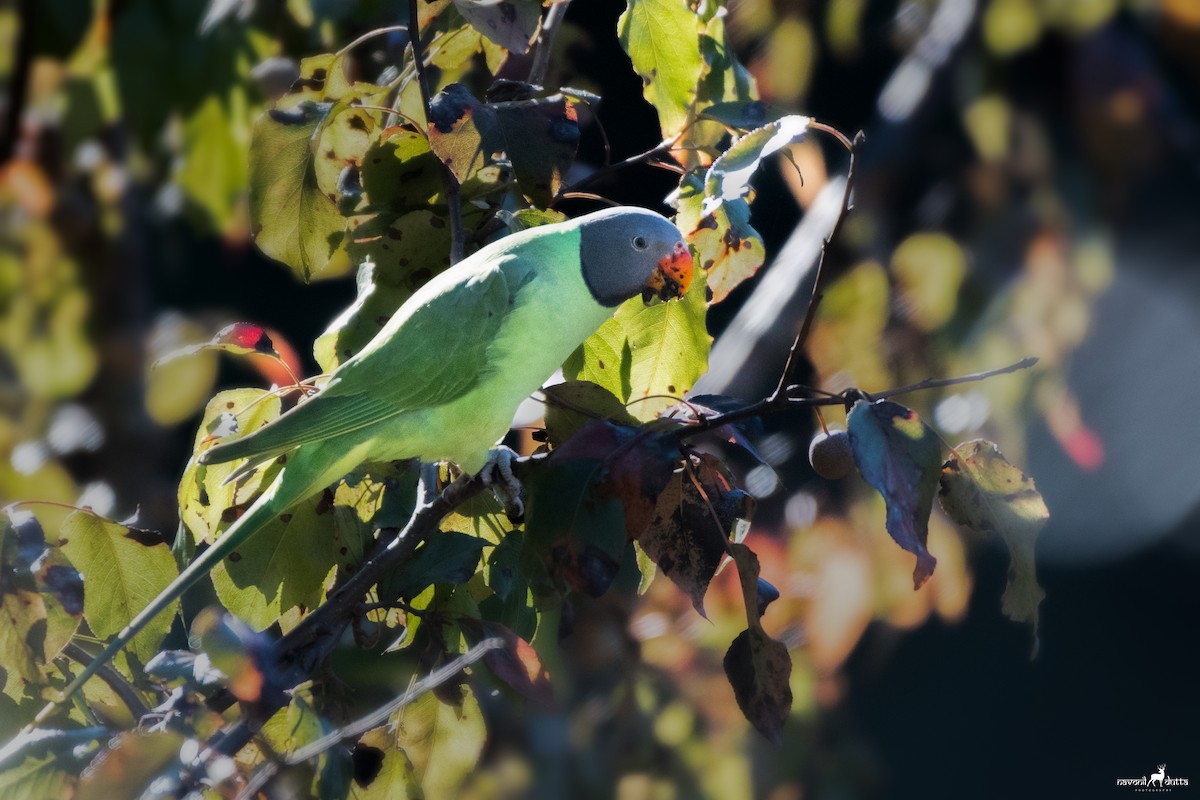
<point>640,243</point>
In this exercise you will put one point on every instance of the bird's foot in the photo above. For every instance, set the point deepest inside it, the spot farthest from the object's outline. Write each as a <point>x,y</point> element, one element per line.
<point>497,475</point>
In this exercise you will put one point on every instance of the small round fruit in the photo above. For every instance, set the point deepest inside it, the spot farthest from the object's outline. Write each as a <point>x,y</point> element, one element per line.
<point>830,454</point>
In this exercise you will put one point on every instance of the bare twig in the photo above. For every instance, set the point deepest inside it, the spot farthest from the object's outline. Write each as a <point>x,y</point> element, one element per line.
<point>793,360</point>
<point>545,41</point>
<point>450,183</point>
<point>659,149</point>
<point>935,383</point>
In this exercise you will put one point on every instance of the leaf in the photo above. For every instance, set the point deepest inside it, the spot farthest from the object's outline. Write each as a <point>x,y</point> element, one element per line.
<point>901,457</point>
<point>685,540</point>
<point>668,344</point>
<point>207,504</point>
<point>928,269</point>
<point>517,664</point>
<point>846,344</point>
<point>663,42</point>
<point>728,248</point>
<point>396,255</point>
<point>291,218</point>
<point>123,570</point>
<point>239,339</point>
<point>128,764</point>
<point>443,742</point>
<point>729,176</point>
<point>604,359</point>
<point>445,557</point>
<point>509,23</point>
<point>216,140</point>
<point>537,137</point>
<point>981,490</point>
<point>400,172</point>
<point>759,668</point>
<point>527,218</point>
<point>570,405</point>
<point>35,779</point>
<point>381,769</point>
<point>743,115</point>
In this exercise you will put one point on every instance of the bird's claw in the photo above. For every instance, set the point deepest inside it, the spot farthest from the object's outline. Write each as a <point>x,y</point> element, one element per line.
<point>497,475</point>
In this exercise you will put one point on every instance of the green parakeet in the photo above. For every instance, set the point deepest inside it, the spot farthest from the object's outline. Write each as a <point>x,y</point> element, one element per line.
<point>442,379</point>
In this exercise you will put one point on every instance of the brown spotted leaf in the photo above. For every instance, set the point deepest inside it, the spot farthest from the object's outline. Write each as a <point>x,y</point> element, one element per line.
<point>728,248</point>
<point>981,490</point>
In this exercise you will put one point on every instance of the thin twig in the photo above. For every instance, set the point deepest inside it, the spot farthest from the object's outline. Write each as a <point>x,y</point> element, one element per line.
<point>935,383</point>
<point>793,360</point>
<point>112,678</point>
<point>545,41</point>
<point>450,182</point>
<point>663,147</point>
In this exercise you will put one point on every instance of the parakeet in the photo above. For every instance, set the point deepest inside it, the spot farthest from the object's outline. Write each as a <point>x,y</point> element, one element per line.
<point>443,377</point>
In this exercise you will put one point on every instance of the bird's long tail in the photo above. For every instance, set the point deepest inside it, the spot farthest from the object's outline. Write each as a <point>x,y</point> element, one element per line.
<point>308,470</point>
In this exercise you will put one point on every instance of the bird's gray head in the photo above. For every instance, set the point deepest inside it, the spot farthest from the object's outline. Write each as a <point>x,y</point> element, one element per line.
<point>625,252</point>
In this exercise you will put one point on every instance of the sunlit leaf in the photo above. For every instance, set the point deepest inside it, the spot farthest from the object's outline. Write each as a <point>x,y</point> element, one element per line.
<point>729,176</point>
<point>123,570</point>
<point>381,769</point>
<point>901,457</point>
<point>207,504</point>
<point>668,344</point>
<point>845,345</point>
<point>292,219</point>
<point>35,779</point>
<point>981,490</point>
<point>663,42</point>
<point>509,23</point>
<point>728,248</point>
<point>216,140</point>
<point>400,171</point>
<point>442,742</point>
<point>603,359</point>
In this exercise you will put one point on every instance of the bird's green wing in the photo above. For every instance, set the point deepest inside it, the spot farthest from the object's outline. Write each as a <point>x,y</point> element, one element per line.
<point>424,358</point>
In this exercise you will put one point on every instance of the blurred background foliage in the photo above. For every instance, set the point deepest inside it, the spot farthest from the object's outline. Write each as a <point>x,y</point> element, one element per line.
<point>1029,188</point>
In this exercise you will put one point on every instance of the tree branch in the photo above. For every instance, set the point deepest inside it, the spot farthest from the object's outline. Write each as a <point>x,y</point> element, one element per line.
<point>450,183</point>
<point>794,354</point>
<point>545,41</point>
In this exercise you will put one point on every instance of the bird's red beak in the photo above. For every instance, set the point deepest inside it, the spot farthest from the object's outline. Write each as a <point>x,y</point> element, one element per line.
<point>673,276</point>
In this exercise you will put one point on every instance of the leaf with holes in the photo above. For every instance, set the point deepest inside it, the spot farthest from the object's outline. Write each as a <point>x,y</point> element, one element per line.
<point>668,345</point>
<point>123,570</point>
<point>981,490</point>
<point>901,457</point>
<point>292,219</point>
<point>663,42</point>
<point>684,538</point>
<point>728,248</point>
<point>207,503</point>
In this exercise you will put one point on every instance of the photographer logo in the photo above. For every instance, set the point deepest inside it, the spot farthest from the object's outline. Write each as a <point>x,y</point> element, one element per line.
<point>1155,782</point>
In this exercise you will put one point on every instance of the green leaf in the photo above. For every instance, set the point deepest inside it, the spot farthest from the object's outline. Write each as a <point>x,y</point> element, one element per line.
<point>668,344</point>
<point>123,570</point>
<point>901,457</point>
<point>35,779</point>
<point>528,218</point>
<point>400,172</point>
<point>663,42</point>
<point>928,269</point>
<point>445,557</point>
<point>729,176</point>
<point>291,218</point>
<point>393,776</point>
<point>604,359</point>
<point>207,504</point>
<point>981,490</point>
<point>509,23</point>
<point>216,140</point>
<point>571,405</point>
<point>396,257</point>
<point>743,115</point>
<point>442,742</point>
<point>728,248</point>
